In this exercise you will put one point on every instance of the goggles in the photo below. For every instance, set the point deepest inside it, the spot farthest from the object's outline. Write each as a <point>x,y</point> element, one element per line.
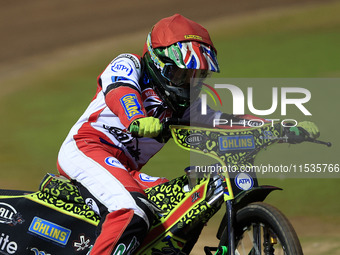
<point>178,77</point>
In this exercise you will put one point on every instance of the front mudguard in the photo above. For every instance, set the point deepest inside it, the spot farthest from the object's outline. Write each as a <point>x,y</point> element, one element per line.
<point>256,194</point>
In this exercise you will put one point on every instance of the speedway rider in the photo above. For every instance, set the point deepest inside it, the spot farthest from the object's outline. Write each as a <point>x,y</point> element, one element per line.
<point>101,156</point>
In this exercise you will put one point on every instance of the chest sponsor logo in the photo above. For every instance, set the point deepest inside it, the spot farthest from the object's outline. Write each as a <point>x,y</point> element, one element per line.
<point>119,134</point>
<point>131,105</point>
<point>8,215</point>
<point>6,245</point>
<point>240,142</point>
<point>50,231</point>
<point>149,93</point>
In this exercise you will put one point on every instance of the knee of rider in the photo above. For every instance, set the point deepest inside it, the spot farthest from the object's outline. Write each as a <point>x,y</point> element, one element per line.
<point>147,181</point>
<point>145,209</point>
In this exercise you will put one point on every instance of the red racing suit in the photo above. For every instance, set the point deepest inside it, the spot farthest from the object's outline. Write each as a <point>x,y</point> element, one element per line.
<point>104,160</point>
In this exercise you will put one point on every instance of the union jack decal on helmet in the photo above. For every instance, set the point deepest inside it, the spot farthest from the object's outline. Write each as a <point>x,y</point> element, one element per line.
<point>198,56</point>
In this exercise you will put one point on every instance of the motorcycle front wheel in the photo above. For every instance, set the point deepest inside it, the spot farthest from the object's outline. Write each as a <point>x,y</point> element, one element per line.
<point>262,229</point>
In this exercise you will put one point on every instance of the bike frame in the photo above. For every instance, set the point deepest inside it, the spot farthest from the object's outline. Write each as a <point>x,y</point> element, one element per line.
<point>182,207</point>
<point>215,147</point>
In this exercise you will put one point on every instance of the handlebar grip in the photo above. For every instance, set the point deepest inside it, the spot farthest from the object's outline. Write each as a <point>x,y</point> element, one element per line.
<point>293,138</point>
<point>165,133</point>
<point>328,144</point>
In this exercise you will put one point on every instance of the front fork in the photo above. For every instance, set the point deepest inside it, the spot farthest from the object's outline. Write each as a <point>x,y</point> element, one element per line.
<point>230,212</point>
<point>256,194</point>
<point>230,219</point>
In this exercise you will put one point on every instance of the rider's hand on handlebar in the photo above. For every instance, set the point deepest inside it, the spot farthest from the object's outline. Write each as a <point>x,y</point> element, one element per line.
<point>303,131</point>
<point>311,130</point>
<point>146,127</point>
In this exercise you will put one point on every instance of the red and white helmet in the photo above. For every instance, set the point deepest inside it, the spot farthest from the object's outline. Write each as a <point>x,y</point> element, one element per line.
<point>176,51</point>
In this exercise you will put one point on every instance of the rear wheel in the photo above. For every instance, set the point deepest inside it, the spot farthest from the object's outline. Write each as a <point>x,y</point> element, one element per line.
<point>263,229</point>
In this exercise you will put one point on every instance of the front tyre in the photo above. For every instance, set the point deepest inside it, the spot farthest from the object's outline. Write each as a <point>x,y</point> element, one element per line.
<point>262,229</point>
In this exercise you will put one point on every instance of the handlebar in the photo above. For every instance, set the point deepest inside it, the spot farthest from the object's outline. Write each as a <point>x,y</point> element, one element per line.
<point>292,138</point>
<point>166,133</point>
<point>328,144</point>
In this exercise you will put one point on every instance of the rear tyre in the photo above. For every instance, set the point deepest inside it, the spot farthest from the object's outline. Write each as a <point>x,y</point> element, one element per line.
<point>263,229</point>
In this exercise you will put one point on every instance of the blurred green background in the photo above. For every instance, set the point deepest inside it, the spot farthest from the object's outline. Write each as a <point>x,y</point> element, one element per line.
<point>284,43</point>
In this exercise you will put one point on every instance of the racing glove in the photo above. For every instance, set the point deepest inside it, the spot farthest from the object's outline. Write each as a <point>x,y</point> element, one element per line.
<point>302,131</point>
<point>146,127</point>
<point>311,129</point>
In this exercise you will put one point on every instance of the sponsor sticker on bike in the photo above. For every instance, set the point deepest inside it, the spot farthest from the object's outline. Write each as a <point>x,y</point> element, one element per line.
<point>122,249</point>
<point>237,142</point>
<point>6,245</point>
<point>8,215</point>
<point>194,139</point>
<point>49,230</point>
<point>82,244</point>
<point>38,252</point>
<point>244,181</point>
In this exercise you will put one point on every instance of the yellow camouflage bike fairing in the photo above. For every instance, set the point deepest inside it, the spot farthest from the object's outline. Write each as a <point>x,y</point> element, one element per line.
<point>59,222</point>
<point>185,210</point>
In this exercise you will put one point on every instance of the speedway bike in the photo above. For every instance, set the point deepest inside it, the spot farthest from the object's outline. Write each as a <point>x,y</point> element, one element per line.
<point>56,220</point>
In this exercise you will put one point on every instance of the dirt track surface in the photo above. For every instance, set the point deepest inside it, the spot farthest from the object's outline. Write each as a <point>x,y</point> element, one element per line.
<point>31,28</point>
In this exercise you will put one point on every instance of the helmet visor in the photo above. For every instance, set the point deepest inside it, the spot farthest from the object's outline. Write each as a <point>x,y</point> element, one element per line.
<point>181,77</point>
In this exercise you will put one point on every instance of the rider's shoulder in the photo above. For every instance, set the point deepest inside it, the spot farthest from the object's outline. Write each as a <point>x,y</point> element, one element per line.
<point>128,58</point>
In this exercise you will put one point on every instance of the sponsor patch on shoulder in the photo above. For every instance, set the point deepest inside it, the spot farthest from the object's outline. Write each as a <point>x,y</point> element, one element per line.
<point>122,67</point>
<point>49,231</point>
<point>132,57</point>
<point>131,105</point>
